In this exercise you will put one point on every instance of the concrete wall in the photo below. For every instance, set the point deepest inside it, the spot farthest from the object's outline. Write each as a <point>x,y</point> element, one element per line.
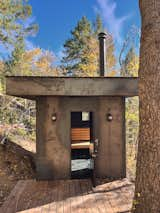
<point>111,155</point>
<point>53,152</point>
<point>53,138</point>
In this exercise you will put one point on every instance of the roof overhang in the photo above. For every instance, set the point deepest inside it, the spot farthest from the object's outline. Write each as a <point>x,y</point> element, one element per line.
<point>32,86</point>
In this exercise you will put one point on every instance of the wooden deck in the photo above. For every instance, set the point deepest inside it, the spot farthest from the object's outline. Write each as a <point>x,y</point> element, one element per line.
<point>67,196</point>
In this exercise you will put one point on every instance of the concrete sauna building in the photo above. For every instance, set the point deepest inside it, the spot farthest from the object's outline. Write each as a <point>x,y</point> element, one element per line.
<point>56,99</point>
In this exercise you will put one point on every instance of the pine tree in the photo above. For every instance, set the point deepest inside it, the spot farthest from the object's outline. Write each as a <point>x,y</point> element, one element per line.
<point>110,57</point>
<point>14,62</point>
<point>75,46</point>
<point>82,50</point>
<point>130,64</point>
<point>98,25</point>
<point>13,15</point>
<point>13,31</point>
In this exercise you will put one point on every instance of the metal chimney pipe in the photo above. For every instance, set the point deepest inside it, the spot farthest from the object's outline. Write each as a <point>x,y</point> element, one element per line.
<point>102,53</point>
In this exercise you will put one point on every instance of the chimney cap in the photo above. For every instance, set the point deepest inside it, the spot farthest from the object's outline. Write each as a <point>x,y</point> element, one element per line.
<point>102,35</point>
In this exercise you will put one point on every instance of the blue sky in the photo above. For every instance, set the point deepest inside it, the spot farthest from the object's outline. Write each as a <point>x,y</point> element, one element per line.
<point>57,18</point>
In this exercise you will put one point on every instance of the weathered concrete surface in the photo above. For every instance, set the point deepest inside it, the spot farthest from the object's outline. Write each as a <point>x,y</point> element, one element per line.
<point>53,150</point>
<point>111,155</point>
<point>30,87</point>
<point>54,137</point>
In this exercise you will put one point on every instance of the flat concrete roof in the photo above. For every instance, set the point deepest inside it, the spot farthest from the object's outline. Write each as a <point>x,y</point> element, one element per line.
<point>33,86</point>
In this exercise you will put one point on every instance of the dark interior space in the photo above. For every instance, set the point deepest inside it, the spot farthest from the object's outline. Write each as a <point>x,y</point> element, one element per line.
<point>81,139</point>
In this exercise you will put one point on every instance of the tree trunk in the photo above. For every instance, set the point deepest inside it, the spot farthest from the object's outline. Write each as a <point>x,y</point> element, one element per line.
<point>147,193</point>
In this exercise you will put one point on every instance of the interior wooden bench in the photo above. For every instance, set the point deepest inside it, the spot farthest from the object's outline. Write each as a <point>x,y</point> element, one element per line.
<point>81,138</point>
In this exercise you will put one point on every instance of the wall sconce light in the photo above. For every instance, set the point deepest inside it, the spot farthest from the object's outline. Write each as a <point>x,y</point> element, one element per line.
<point>54,117</point>
<point>109,117</point>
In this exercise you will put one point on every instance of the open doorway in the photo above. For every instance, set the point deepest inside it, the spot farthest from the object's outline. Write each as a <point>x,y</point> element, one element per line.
<point>81,144</point>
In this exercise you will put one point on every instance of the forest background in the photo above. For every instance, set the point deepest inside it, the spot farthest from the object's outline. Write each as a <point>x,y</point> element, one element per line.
<point>80,58</point>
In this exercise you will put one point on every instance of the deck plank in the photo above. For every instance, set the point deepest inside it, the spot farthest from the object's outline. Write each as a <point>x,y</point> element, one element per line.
<point>26,200</point>
<point>70,196</point>
<point>79,198</point>
<point>91,200</point>
<point>84,193</point>
<point>101,189</point>
<point>54,195</point>
<point>73,200</point>
<point>67,205</point>
<point>60,197</point>
<point>99,199</point>
<point>116,197</point>
<point>10,205</point>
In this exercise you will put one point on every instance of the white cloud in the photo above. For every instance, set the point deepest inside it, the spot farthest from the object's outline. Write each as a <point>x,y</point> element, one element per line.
<point>107,8</point>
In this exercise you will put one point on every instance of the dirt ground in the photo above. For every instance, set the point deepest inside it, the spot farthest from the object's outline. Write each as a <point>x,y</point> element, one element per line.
<point>16,163</point>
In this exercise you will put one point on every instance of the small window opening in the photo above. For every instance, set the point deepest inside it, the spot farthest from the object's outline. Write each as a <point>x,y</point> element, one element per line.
<point>85,116</point>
